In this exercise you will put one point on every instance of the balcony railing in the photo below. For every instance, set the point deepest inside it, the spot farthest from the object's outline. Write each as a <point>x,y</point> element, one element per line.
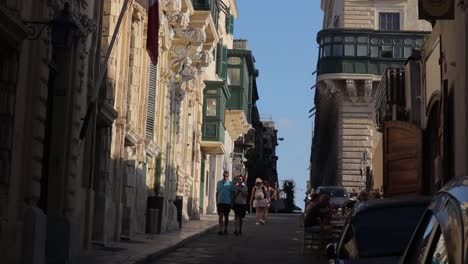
<point>365,51</point>
<point>390,97</point>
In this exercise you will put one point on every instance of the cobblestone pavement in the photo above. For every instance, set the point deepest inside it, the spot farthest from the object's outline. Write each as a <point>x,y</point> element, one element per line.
<point>279,241</point>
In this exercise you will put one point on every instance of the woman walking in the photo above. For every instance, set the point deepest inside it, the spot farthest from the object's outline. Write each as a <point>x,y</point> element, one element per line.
<point>259,200</point>
<point>240,203</point>
<point>271,197</point>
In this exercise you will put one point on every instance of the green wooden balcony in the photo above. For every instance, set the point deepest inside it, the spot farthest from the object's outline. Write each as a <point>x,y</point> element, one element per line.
<point>363,51</point>
<point>216,94</point>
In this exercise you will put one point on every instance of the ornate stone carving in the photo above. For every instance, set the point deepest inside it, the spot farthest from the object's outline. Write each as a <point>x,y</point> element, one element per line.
<point>368,90</point>
<point>202,59</point>
<point>194,35</point>
<point>351,88</point>
<point>171,6</point>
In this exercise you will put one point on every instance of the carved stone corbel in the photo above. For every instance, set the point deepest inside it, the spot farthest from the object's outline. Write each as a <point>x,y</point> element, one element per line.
<point>368,90</point>
<point>351,90</point>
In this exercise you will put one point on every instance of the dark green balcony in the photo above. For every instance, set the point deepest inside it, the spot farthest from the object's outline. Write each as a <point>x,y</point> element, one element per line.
<point>216,94</point>
<point>241,79</point>
<point>363,51</point>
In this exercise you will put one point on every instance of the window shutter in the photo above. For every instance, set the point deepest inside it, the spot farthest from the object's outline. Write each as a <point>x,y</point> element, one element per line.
<point>151,108</point>
<point>219,57</point>
<point>224,63</point>
<point>231,24</point>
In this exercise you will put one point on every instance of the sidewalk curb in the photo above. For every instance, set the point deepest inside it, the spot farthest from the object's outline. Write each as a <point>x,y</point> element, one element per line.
<point>151,257</point>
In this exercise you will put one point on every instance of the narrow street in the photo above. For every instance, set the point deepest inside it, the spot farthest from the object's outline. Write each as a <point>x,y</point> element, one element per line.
<point>279,241</point>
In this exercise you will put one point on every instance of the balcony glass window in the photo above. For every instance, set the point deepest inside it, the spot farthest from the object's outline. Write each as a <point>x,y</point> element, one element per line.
<point>327,40</point>
<point>326,51</point>
<point>337,50</point>
<point>363,39</point>
<point>397,52</point>
<point>374,51</point>
<point>387,52</point>
<point>407,52</point>
<point>362,50</point>
<point>389,21</point>
<point>349,50</point>
<point>211,107</point>
<point>234,76</point>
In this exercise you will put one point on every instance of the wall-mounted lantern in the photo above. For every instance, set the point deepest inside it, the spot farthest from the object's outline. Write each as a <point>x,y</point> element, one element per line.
<point>61,27</point>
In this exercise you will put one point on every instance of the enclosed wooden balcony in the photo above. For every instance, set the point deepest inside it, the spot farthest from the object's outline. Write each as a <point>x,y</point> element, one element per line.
<point>363,51</point>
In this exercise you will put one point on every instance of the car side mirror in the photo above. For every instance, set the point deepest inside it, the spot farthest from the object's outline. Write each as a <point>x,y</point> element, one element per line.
<point>331,251</point>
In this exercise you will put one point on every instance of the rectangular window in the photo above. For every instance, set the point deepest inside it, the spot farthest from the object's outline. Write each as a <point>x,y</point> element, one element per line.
<point>211,107</point>
<point>387,52</point>
<point>397,52</point>
<point>349,50</point>
<point>362,50</point>
<point>374,51</point>
<point>338,50</point>
<point>407,52</point>
<point>389,21</point>
<point>234,76</point>
<point>326,51</point>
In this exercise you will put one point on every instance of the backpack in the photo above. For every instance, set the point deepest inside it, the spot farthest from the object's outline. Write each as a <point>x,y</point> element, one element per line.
<point>259,193</point>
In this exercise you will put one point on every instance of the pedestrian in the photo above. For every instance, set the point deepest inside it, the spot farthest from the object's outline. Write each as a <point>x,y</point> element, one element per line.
<point>374,195</point>
<point>240,203</point>
<point>224,197</point>
<point>312,213</point>
<point>259,200</point>
<point>363,196</point>
<point>271,198</point>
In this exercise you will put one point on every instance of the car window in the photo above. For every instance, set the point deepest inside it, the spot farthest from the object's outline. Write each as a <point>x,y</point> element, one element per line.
<point>421,240</point>
<point>439,256</point>
<point>451,225</point>
<point>333,192</point>
<point>394,227</point>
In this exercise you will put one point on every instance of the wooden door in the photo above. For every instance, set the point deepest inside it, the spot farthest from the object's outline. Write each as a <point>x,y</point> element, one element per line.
<point>402,158</point>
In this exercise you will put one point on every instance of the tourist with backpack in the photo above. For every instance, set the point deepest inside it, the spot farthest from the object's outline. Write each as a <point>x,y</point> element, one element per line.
<point>259,200</point>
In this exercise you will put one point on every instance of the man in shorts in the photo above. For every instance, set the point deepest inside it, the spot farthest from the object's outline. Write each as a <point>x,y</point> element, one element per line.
<point>224,197</point>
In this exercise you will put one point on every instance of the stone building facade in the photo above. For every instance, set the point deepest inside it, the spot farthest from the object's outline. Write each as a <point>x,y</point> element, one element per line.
<point>49,64</point>
<point>359,40</point>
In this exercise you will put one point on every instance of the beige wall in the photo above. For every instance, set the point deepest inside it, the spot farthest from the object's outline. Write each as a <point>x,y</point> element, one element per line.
<point>378,163</point>
<point>365,14</point>
<point>453,42</point>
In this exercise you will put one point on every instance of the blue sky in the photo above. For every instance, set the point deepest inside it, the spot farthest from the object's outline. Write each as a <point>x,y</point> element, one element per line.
<point>281,35</point>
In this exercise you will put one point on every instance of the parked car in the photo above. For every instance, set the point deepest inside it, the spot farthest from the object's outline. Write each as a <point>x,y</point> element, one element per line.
<point>338,194</point>
<point>378,231</point>
<point>442,235</point>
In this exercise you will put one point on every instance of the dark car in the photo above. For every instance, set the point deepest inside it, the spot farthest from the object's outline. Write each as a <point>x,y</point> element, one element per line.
<point>442,234</point>
<point>338,194</point>
<point>378,231</point>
